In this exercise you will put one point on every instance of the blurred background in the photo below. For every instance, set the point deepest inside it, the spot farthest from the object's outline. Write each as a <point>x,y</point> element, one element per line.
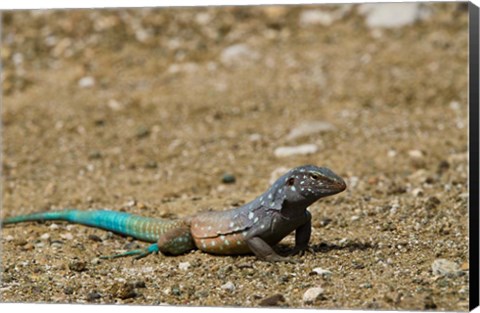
<point>171,111</point>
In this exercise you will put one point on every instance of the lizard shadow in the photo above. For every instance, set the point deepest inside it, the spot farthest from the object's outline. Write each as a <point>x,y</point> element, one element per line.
<point>350,246</point>
<point>325,247</point>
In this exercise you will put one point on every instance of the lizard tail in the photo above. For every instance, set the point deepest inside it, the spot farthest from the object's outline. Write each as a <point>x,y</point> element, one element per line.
<point>139,227</point>
<point>42,216</point>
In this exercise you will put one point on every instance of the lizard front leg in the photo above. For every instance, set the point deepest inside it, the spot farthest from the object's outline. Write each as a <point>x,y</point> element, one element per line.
<point>264,251</point>
<point>302,237</point>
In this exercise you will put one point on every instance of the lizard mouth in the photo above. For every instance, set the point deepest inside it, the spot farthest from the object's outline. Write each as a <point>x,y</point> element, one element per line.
<point>336,186</point>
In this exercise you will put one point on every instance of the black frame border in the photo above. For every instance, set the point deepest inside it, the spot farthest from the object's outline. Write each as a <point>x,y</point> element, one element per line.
<point>473,155</point>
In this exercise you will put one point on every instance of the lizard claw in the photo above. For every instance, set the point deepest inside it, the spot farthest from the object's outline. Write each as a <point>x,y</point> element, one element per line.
<point>301,251</point>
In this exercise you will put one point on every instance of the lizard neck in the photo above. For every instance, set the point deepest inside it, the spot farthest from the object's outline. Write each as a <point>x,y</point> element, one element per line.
<point>293,210</point>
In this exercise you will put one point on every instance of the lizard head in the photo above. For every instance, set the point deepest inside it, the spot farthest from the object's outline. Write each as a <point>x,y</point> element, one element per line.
<point>307,184</point>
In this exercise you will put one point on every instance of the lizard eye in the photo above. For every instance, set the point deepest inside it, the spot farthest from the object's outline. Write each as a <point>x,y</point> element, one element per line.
<point>291,181</point>
<point>314,176</point>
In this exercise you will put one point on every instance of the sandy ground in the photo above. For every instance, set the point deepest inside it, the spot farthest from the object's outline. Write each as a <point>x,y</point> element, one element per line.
<point>145,111</point>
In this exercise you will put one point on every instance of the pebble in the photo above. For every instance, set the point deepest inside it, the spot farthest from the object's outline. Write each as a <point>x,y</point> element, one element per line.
<point>295,150</point>
<point>392,15</point>
<point>415,154</point>
<point>229,286</point>
<point>352,181</point>
<point>310,128</point>
<point>175,290</point>
<point>458,158</point>
<point>255,137</point>
<point>92,296</point>
<point>9,238</point>
<point>94,238</point>
<point>272,300</point>
<point>78,266</point>
<point>443,267</point>
<point>275,12</point>
<point>322,272</point>
<point>312,294</point>
<point>366,285</point>
<point>417,192</point>
<point>142,132</point>
<point>20,242</point>
<point>238,53</point>
<point>29,246</point>
<point>123,291</point>
<point>184,266</point>
<point>53,226</point>
<point>68,290</point>
<point>228,178</point>
<point>115,105</point>
<point>151,164</point>
<point>189,67</point>
<point>316,17</point>
<point>86,82</point>
<point>454,105</point>
<point>429,304</point>
<point>56,244</point>
<point>325,221</point>
<point>138,284</point>
<point>66,236</point>
<point>419,176</point>
<point>45,236</point>
<point>391,153</point>
<point>93,155</point>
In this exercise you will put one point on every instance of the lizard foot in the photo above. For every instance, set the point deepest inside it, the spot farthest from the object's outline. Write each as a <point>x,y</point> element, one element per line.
<point>278,258</point>
<point>301,251</point>
<point>138,253</point>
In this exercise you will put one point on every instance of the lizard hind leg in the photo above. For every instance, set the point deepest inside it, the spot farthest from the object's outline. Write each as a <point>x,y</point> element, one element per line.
<point>138,253</point>
<point>176,241</point>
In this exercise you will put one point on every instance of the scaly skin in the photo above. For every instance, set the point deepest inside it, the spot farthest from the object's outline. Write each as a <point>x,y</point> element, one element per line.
<point>254,227</point>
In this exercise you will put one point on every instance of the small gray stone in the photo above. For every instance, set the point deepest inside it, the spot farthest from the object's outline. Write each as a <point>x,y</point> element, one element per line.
<point>66,236</point>
<point>316,17</point>
<point>86,82</point>
<point>415,154</point>
<point>366,285</point>
<point>310,128</point>
<point>92,296</point>
<point>184,266</point>
<point>78,266</point>
<point>228,178</point>
<point>417,192</point>
<point>53,226</point>
<point>142,132</point>
<point>443,267</point>
<point>312,294</point>
<point>182,68</point>
<point>238,54</point>
<point>295,150</point>
<point>229,286</point>
<point>392,15</point>
<point>322,272</point>
<point>274,300</point>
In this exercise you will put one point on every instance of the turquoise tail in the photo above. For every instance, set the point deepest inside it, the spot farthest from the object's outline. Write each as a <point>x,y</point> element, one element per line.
<point>118,222</point>
<point>43,216</point>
